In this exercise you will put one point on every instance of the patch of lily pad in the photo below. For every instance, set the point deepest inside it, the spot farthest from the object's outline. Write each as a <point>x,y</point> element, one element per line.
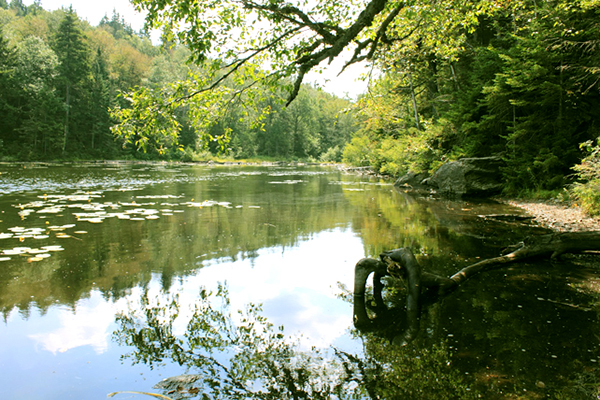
<point>87,208</point>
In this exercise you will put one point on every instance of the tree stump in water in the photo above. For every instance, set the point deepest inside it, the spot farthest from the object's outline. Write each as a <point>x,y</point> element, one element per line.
<point>423,287</point>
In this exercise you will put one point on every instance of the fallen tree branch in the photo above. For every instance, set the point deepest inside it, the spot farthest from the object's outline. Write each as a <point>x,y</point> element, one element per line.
<point>425,288</point>
<point>545,246</point>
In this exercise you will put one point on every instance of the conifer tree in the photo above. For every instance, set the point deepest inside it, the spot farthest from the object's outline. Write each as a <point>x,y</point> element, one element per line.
<point>7,91</point>
<point>74,70</point>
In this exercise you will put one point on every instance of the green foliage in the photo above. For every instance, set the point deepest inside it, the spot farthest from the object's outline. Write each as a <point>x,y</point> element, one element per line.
<point>334,154</point>
<point>64,85</point>
<point>587,190</point>
<point>74,73</point>
<point>243,356</point>
<point>149,121</point>
<point>413,150</point>
<point>518,79</point>
<point>18,7</point>
<point>8,89</point>
<point>116,26</point>
<point>358,151</point>
<point>39,129</point>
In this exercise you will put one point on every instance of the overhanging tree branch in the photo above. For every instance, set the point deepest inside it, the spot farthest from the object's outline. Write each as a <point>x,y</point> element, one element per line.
<point>296,52</point>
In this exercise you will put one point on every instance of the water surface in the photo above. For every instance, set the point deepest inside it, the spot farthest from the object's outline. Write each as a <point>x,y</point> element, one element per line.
<point>81,243</point>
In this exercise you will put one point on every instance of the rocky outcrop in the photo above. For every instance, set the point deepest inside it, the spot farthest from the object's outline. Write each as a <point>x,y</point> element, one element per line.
<point>467,177</point>
<point>413,180</point>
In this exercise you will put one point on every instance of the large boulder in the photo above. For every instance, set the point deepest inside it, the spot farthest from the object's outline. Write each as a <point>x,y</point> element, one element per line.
<point>414,180</point>
<point>468,177</point>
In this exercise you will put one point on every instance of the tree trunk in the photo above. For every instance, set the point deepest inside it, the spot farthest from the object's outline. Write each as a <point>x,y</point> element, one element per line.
<point>425,288</point>
<point>414,100</point>
<point>66,130</point>
<point>545,246</point>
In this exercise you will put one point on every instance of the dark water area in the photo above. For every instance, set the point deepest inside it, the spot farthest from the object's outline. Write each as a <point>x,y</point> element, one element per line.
<point>101,261</point>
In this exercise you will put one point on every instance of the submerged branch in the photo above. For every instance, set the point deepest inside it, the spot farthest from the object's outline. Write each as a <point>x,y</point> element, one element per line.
<point>428,288</point>
<point>545,246</point>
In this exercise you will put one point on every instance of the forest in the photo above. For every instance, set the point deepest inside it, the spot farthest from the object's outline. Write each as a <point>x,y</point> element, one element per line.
<point>60,78</point>
<point>514,78</point>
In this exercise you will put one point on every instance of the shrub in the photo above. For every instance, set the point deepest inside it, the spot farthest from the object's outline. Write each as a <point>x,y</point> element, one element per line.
<point>333,154</point>
<point>358,152</point>
<point>587,190</point>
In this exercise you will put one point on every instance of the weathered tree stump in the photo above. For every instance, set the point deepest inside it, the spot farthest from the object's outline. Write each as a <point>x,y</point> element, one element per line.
<point>423,287</point>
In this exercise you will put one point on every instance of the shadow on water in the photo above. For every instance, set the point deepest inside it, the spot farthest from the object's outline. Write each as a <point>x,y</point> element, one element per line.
<point>528,330</point>
<point>126,237</point>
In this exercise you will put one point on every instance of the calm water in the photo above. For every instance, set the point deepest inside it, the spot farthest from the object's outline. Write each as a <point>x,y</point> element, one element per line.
<point>81,244</point>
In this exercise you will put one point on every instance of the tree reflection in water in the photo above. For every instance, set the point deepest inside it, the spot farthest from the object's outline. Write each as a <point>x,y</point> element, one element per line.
<point>243,356</point>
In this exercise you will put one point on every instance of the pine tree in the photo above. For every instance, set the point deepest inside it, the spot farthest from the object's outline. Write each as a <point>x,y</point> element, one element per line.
<point>8,109</point>
<point>18,7</point>
<point>74,71</point>
<point>100,101</point>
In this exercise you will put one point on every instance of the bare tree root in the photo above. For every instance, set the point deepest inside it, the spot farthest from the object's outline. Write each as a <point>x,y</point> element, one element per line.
<point>423,287</point>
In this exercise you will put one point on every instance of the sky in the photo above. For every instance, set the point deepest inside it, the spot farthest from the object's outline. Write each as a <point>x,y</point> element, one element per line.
<point>347,84</point>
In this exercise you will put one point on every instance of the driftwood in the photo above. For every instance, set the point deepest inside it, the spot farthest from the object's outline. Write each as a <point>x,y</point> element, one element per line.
<point>425,288</point>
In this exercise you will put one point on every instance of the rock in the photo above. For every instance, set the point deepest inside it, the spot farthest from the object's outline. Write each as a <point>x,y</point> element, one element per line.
<point>412,179</point>
<point>179,382</point>
<point>468,177</point>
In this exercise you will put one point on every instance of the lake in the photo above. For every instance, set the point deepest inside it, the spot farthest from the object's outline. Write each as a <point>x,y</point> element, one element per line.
<point>116,276</point>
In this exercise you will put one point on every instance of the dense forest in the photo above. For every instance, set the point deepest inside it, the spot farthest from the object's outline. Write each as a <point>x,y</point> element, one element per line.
<point>521,81</point>
<point>61,80</point>
<point>513,78</point>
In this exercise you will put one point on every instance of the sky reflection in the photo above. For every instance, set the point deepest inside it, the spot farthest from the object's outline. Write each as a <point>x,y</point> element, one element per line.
<point>91,323</point>
<point>298,286</point>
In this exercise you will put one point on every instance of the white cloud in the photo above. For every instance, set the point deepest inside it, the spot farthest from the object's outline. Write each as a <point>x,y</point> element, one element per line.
<point>90,324</point>
<point>301,294</point>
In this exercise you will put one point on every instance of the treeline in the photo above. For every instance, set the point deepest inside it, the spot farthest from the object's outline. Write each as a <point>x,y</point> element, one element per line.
<point>522,82</point>
<point>60,77</point>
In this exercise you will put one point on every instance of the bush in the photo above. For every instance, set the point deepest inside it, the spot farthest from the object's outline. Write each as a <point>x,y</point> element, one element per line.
<point>188,154</point>
<point>333,154</point>
<point>587,190</point>
<point>359,151</point>
<point>409,150</point>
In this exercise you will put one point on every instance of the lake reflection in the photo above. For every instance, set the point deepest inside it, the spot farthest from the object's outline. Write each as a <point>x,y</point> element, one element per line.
<point>80,244</point>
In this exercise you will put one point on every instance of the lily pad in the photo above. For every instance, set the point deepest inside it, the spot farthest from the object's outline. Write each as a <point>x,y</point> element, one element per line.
<point>36,251</point>
<point>16,251</point>
<point>53,248</point>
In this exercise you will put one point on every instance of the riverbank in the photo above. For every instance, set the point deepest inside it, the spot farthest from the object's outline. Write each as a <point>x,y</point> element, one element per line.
<point>557,216</point>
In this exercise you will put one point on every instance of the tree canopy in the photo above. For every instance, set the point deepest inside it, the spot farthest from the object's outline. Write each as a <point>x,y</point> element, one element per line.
<point>511,78</point>
<point>64,84</point>
<point>293,38</point>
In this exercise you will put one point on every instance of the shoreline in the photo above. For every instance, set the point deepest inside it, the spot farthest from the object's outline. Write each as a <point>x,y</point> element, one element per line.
<point>559,217</point>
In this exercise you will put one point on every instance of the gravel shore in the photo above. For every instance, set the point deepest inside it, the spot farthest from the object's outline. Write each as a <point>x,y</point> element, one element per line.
<point>558,217</point>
